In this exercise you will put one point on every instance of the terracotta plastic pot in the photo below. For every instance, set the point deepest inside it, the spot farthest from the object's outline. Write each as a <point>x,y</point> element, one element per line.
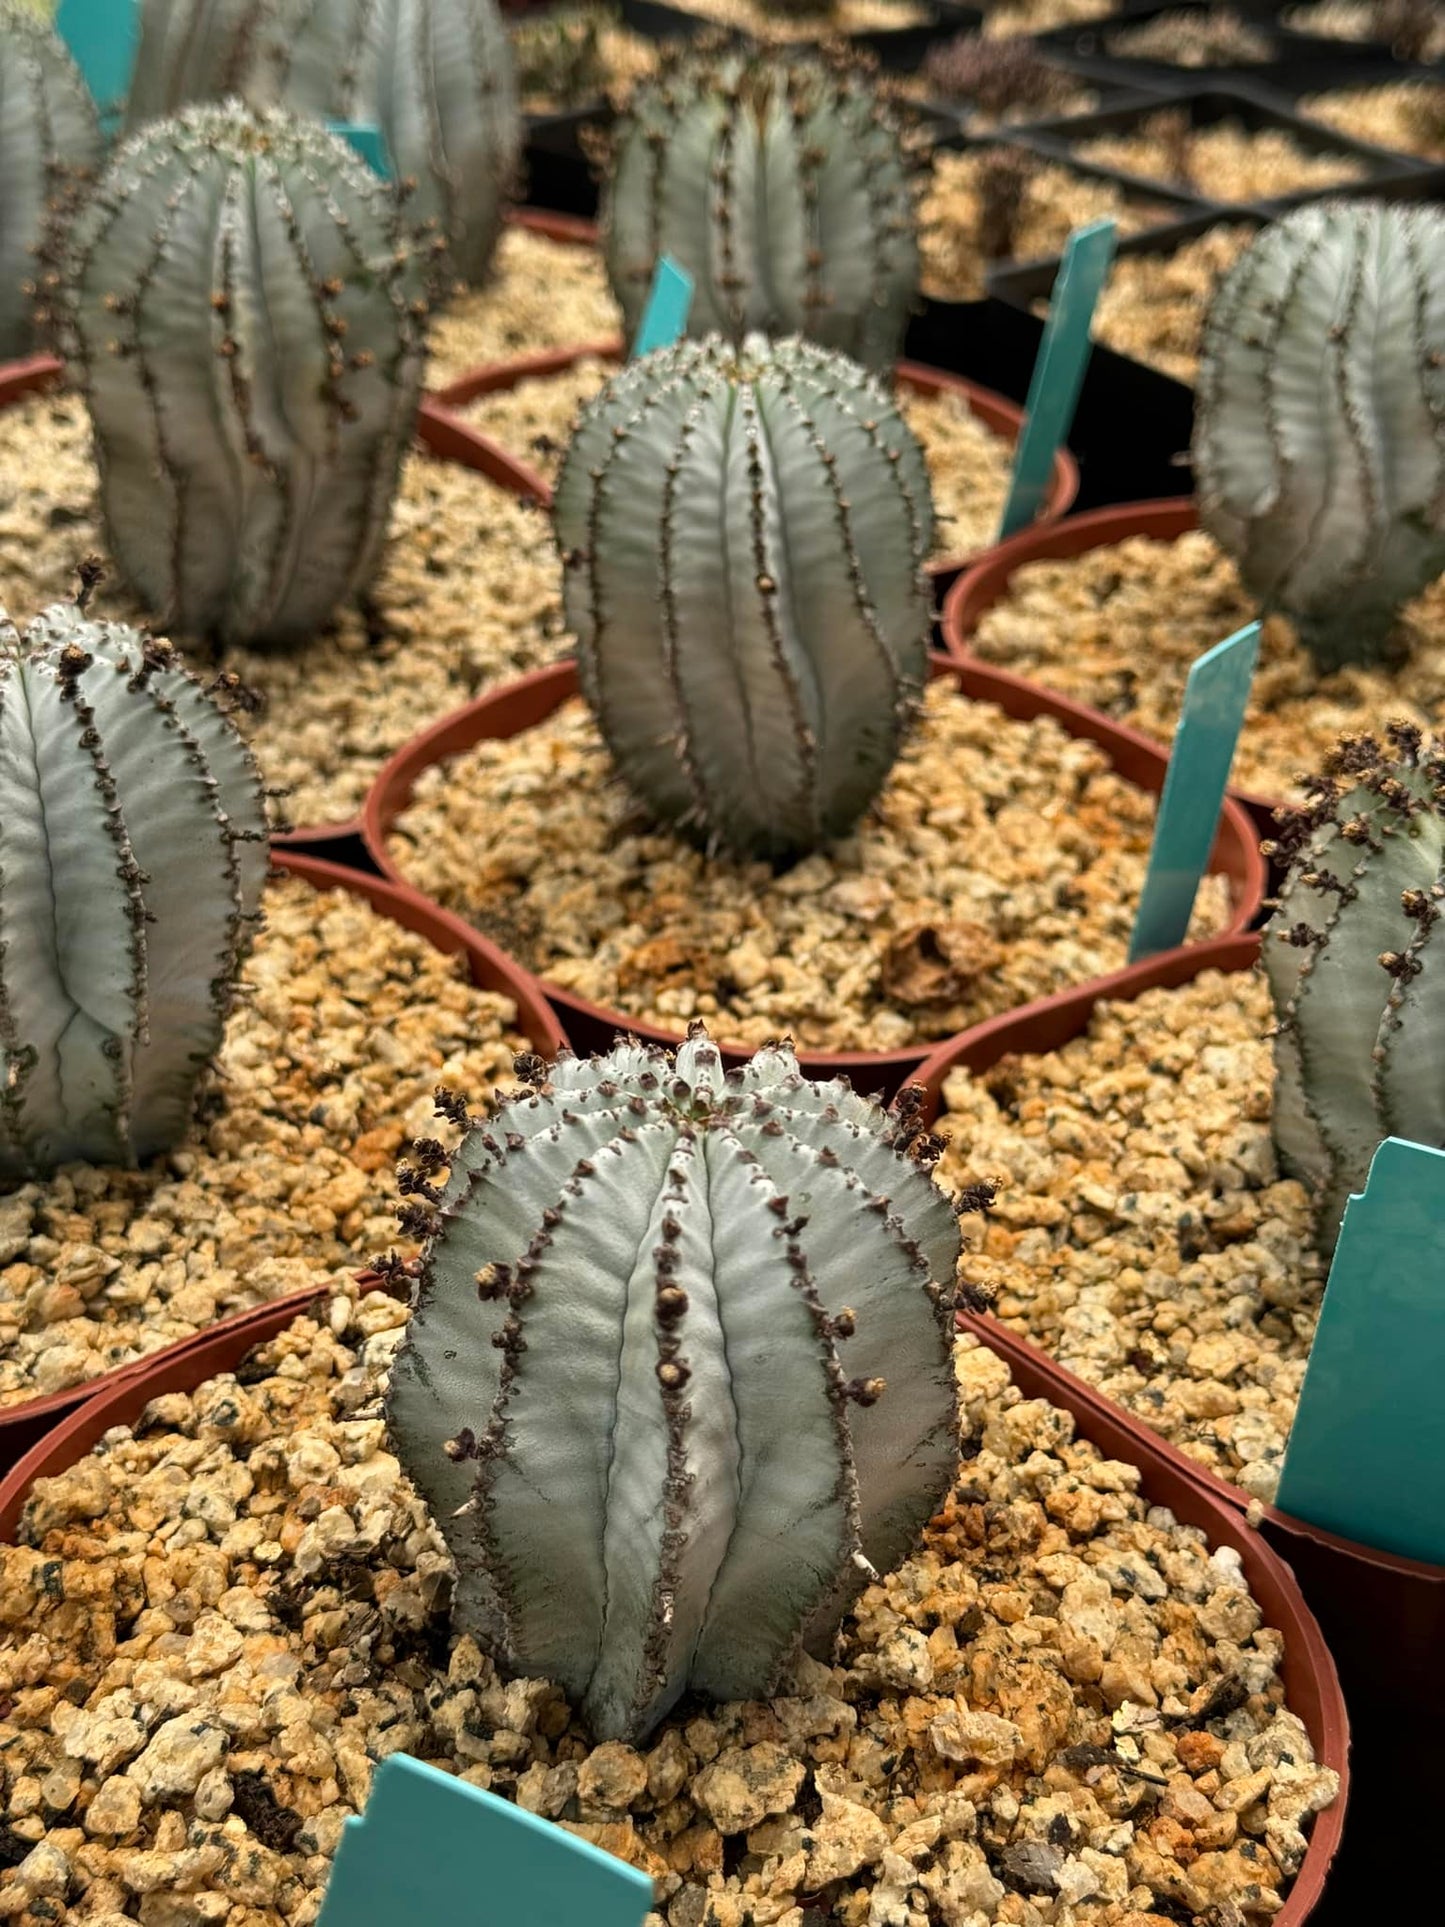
<point>450,435</point>
<point>1384,1616</point>
<point>22,1425</point>
<point>520,705</point>
<point>986,582</point>
<point>1311,1684</point>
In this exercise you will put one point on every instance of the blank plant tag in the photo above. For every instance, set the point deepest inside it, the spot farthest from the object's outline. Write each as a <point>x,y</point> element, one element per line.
<point>102,36</point>
<point>1215,698</point>
<point>668,306</point>
<point>368,141</point>
<point>1366,1455</point>
<point>431,1849</point>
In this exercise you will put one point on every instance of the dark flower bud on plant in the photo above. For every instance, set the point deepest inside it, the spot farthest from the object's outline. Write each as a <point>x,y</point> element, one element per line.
<point>133,852</point>
<point>1356,969</point>
<point>50,148</point>
<point>240,318</point>
<point>659,1480</point>
<point>1319,442</point>
<point>744,533</point>
<point>784,186</point>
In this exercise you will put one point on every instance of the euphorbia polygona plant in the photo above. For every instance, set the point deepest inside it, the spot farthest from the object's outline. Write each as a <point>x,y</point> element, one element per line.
<point>246,322</point>
<point>1354,966</point>
<point>133,850</point>
<point>1319,446</point>
<point>786,189</point>
<point>678,1379</point>
<point>743,534</point>
<point>436,76</point>
<point>191,51</point>
<point>50,148</point>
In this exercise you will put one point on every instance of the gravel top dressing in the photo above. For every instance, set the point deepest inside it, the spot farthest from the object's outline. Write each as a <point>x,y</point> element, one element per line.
<point>1143,1234</point>
<point>1062,1707</point>
<point>345,1026</point>
<point>1224,162</point>
<point>1002,861</point>
<point>1407,115</point>
<point>1119,626</point>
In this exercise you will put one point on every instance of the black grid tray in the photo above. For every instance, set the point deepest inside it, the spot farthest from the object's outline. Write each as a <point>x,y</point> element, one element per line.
<point>899,48</point>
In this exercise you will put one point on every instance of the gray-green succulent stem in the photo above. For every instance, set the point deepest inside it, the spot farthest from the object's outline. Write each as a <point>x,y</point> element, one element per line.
<point>439,81</point>
<point>1319,445</point>
<point>784,186</point>
<point>744,535</point>
<point>247,323</point>
<point>1355,968</point>
<point>678,1379</point>
<point>50,150</point>
<point>133,851</point>
<point>192,51</point>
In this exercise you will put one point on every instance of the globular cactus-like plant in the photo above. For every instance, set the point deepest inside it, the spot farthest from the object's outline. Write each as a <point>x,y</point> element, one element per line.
<point>437,77</point>
<point>50,148</point>
<point>678,1377</point>
<point>1355,970</point>
<point>247,324</point>
<point>132,856</point>
<point>559,55</point>
<point>743,535</point>
<point>1319,446</point>
<point>191,51</point>
<point>783,185</point>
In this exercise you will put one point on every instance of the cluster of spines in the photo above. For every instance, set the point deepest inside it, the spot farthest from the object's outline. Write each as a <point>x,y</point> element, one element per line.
<point>1366,867</point>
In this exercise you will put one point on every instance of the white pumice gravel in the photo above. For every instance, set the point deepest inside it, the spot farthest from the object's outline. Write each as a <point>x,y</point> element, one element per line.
<point>1063,1711</point>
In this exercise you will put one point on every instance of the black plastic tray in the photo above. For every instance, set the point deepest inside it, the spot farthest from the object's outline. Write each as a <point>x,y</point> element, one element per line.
<point>1387,174</point>
<point>899,48</point>
<point>1025,282</point>
<point>1299,63</point>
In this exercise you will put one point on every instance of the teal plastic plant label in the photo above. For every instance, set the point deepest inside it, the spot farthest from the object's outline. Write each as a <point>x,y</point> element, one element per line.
<point>368,141</point>
<point>668,306</point>
<point>1058,375</point>
<point>1215,698</point>
<point>434,1850</point>
<point>1366,1455</point>
<point>102,36</point>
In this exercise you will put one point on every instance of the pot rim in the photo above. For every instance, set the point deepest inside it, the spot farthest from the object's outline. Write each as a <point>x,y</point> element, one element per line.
<point>1312,1684</point>
<point>512,707</point>
<point>985,582</point>
<point>491,969</point>
<point>1044,1026</point>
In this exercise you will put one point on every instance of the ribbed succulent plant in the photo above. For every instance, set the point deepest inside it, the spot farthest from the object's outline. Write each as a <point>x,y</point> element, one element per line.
<point>191,51</point>
<point>1319,446</point>
<point>1359,993</point>
<point>678,1377</point>
<point>743,535</point>
<point>50,148</point>
<point>133,849</point>
<point>247,324</point>
<point>783,185</point>
<point>436,76</point>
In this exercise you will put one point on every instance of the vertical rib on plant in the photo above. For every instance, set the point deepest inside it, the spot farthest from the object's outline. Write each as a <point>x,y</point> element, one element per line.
<point>1355,966</point>
<point>438,79</point>
<point>743,536</point>
<point>246,323</point>
<point>191,51</point>
<point>1319,446</point>
<point>50,149</point>
<point>132,857</point>
<point>678,1378</point>
<point>783,185</point>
